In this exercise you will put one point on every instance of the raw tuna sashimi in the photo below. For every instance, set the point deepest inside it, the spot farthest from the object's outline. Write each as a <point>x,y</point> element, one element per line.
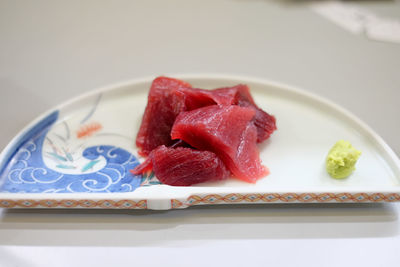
<point>236,95</point>
<point>264,122</point>
<point>144,167</point>
<point>147,165</point>
<point>162,108</point>
<point>226,130</point>
<point>184,166</point>
<point>195,135</point>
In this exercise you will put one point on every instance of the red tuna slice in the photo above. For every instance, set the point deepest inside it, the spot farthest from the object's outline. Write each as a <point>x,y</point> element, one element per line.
<point>147,165</point>
<point>197,98</point>
<point>233,95</point>
<point>265,123</point>
<point>228,131</point>
<point>236,95</point>
<point>184,166</point>
<point>144,167</point>
<point>162,108</point>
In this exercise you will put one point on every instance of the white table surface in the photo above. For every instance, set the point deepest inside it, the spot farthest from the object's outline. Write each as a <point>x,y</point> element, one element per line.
<point>51,51</point>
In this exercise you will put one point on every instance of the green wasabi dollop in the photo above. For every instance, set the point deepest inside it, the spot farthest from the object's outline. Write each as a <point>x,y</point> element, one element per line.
<point>341,159</point>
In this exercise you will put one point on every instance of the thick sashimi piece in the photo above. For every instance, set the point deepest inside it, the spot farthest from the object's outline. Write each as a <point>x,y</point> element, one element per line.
<point>162,108</point>
<point>196,98</point>
<point>229,132</point>
<point>265,123</point>
<point>184,166</point>
<point>236,95</point>
<point>147,165</point>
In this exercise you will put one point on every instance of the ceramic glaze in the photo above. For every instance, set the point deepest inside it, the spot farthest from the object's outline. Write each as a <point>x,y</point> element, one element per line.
<point>79,154</point>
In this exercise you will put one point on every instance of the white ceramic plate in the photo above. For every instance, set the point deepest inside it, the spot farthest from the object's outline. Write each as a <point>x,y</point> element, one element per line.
<point>79,154</point>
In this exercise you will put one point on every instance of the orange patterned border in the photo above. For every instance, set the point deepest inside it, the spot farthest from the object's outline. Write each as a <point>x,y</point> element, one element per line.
<point>285,198</point>
<point>207,199</point>
<point>70,203</point>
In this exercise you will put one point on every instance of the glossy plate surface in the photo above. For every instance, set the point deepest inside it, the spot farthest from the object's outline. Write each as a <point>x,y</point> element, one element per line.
<point>79,154</point>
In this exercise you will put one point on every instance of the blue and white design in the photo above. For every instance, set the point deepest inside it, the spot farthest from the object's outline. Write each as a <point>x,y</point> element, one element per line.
<point>45,161</point>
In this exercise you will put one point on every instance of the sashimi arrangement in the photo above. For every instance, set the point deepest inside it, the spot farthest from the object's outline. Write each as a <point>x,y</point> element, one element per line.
<point>192,135</point>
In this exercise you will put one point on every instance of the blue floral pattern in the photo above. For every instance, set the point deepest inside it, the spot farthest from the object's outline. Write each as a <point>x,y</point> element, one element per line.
<point>26,171</point>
